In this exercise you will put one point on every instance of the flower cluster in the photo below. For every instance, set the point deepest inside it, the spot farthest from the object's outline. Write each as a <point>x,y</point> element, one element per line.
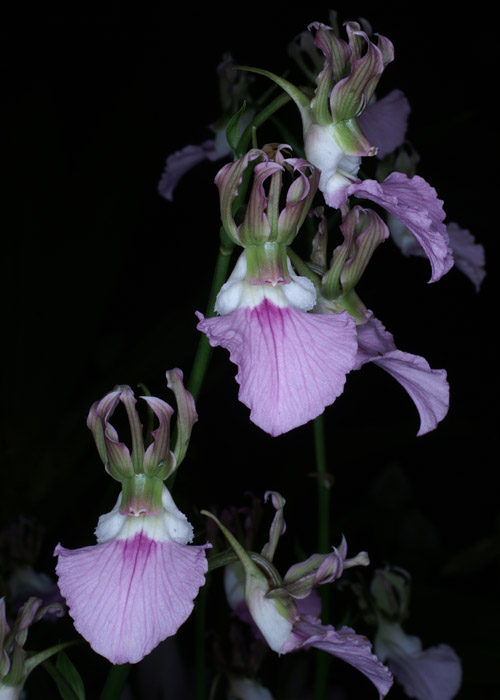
<point>291,318</point>
<point>296,328</point>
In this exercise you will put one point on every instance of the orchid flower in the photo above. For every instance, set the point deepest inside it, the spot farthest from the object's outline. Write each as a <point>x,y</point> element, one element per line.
<point>291,364</point>
<point>335,143</point>
<point>274,603</point>
<point>363,232</point>
<point>136,587</point>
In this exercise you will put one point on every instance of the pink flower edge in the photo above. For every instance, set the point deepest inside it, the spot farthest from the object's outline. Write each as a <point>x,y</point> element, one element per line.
<point>432,674</point>
<point>127,595</point>
<point>428,388</point>
<point>291,364</point>
<point>345,644</point>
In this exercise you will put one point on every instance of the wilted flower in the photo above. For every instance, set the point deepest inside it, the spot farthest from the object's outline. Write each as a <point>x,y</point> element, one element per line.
<point>275,604</point>
<point>137,585</point>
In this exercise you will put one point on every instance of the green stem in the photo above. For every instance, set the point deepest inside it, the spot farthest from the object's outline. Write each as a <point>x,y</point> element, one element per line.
<point>324,511</point>
<point>115,681</point>
<point>324,485</point>
<point>194,385</point>
<point>203,352</point>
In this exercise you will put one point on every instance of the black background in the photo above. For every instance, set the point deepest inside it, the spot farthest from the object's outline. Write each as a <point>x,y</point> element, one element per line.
<point>102,277</point>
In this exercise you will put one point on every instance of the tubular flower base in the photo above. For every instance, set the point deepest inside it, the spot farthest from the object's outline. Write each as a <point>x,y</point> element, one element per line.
<point>136,587</point>
<point>291,364</point>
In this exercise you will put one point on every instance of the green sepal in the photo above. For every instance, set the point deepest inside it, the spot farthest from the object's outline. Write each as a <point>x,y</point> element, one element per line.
<point>351,139</point>
<point>186,415</point>
<point>351,303</point>
<point>17,671</point>
<point>300,99</point>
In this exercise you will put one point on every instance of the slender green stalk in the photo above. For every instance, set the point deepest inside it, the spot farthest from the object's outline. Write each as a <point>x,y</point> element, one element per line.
<point>324,513</point>
<point>203,352</point>
<point>194,385</point>
<point>324,484</point>
<point>115,681</point>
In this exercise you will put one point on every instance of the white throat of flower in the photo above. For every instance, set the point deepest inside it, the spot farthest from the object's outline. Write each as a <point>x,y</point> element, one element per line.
<point>169,526</point>
<point>323,151</point>
<point>238,293</point>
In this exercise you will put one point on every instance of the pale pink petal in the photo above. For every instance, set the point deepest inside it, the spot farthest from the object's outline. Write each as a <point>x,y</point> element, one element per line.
<point>180,162</point>
<point>469,255</point>
<point>345,644</point>
<point>427,387</point>
<point>431,674</point>
<point>291,364</point>
<point>125,596</point>
<point>413,202</point>
<point>384,122</point>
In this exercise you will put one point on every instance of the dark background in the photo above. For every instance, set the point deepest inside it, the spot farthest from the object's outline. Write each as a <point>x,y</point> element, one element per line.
<point>102,277</point>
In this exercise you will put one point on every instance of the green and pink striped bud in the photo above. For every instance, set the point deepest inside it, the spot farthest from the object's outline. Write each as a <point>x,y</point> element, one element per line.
<point>267,227</point>
<point>142,470</point>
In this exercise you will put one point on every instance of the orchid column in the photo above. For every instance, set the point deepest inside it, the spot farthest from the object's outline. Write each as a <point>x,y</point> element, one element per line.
<point>291,364</point>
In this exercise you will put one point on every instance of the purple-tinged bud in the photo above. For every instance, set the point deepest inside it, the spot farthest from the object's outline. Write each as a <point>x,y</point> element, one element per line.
<point>15,665</point>
<point>318,570</point>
